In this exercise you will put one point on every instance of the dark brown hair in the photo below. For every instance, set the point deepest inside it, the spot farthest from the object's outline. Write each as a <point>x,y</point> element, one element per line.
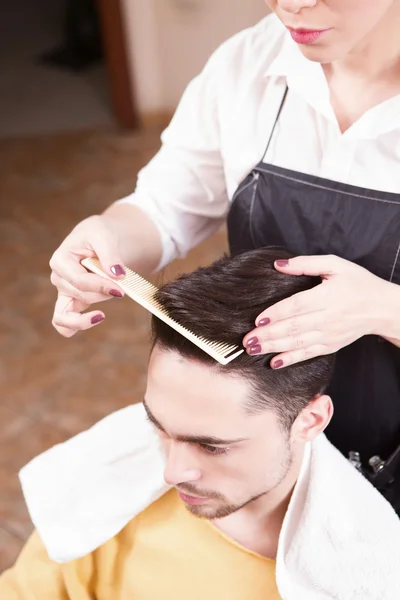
<point>221,303</point>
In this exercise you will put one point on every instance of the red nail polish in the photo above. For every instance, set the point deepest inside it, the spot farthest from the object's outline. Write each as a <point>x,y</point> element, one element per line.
<point>253,350</point>
<point>96,319</point>
<point>117,270</point>
<point>252,342</point>
<point>277,364</point>
<point>282,263</point>
<point>264,322</point>
<point>115,293</point>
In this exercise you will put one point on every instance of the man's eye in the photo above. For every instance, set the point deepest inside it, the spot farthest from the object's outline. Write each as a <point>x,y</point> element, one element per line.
<point>215,450</point>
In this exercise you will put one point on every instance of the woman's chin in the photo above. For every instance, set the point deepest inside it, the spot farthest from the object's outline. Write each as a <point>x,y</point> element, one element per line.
<point>320,54</point>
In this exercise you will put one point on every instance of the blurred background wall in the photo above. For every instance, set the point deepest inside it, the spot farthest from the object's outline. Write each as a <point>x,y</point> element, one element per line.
<point>74,64</point>
<point>85,88</point>
<point>169,42</point>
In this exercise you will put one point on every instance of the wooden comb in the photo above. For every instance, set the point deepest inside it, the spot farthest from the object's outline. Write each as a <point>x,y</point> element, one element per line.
<point>143,292</point>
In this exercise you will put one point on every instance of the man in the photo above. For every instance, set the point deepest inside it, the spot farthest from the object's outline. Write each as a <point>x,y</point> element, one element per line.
<point>259,504</point>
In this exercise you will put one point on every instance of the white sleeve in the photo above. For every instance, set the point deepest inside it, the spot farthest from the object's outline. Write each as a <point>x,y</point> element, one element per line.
<point>183,187</point>
<point>83,492</point>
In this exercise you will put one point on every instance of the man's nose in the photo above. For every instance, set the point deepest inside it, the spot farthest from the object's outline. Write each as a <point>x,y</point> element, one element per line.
<point>180,467</point>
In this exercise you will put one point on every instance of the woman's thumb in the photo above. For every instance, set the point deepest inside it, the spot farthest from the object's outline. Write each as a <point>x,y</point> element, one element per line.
<point>108,254</point>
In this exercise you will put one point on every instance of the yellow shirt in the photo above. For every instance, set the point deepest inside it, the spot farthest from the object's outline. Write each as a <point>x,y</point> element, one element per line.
<point>164,553</point>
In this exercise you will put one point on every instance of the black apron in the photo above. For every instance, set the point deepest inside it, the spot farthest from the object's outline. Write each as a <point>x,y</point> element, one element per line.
<point>311,215</point>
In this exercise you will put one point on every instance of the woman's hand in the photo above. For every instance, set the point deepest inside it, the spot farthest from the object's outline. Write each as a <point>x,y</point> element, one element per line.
<point>348,304</point>
<point>122,235</point>
<point>77,289</point>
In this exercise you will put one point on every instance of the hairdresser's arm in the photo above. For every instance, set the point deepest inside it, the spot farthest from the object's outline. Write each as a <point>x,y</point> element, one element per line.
<point>180,200</point>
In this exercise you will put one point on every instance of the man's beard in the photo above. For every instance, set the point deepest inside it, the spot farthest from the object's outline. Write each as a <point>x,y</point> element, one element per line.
<point>225,507</point>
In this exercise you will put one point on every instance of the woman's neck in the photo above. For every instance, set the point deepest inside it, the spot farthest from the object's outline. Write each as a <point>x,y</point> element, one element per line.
<point>369,75</point>
<point>377,56</point>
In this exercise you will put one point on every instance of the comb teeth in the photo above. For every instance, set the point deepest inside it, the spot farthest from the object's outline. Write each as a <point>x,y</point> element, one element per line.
<point>143,292</point>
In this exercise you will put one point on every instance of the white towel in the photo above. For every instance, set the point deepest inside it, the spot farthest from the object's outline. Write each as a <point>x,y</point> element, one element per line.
<point>340,539</point>
<point>83,492</point>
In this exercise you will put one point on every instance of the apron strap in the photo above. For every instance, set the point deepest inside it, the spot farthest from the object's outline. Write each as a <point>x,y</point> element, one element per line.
<point>275,123</point>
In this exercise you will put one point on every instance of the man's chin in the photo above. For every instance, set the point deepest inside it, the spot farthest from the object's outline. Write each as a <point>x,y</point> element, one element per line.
<point>212,510</point>
<point>211,513</point>
<point>199,511</point>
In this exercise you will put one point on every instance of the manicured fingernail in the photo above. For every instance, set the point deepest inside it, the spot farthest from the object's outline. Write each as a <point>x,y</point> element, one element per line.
<point>264,322</point>
<point>277,364</point>
<point>96,319</point>
<point>254,350</point>
<point>282,263</point>
<point>252,342</point>
<point>115,293</point>
<point>117,270</point>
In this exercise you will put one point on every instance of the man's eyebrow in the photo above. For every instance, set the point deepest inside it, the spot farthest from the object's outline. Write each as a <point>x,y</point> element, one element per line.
<point>191,439</point>
<point>151,417</point>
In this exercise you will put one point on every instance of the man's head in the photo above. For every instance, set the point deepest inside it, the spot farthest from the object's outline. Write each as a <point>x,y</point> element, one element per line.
<point>231,433</point>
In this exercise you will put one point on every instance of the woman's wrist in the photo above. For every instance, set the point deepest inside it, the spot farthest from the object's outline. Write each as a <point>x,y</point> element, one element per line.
<point>387,312</point>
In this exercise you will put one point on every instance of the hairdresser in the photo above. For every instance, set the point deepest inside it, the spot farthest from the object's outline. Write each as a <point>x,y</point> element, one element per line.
<point>291,134</point>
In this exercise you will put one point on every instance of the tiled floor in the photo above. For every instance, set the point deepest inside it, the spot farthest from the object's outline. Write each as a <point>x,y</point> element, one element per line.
<point>51,387</point>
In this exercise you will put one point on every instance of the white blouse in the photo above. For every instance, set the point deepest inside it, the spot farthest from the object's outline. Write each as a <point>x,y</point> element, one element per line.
<point>222,125</point>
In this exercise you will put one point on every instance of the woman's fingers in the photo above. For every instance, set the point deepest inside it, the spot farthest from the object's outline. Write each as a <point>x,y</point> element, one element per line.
<point>86,297</point>
<point>299,304</point>
<point>77,290</point>
<point>302,342</point>
<point>68,317</point>
<point>71,270</point>
<point>273,336</point>
<point>296,356</point>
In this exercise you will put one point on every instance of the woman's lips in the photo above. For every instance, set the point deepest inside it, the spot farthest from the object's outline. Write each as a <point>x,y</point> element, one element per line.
<point>306,36</point>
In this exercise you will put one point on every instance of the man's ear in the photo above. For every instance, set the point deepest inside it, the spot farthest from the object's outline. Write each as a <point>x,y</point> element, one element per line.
<point>313,419</point>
